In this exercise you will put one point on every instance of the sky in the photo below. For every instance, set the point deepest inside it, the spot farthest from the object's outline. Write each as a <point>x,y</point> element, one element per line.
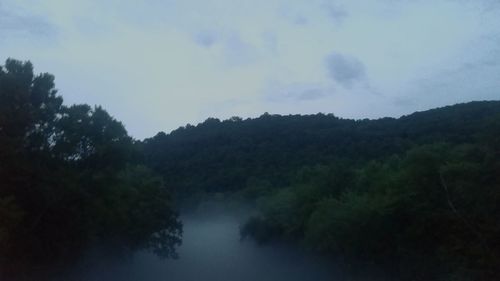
<point>156,65</point>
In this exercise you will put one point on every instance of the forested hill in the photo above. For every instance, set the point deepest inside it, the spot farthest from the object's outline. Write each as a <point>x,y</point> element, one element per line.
<point>417,196</point>
<point>226,155</point>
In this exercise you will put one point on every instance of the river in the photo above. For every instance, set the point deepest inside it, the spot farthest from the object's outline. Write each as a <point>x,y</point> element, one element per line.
<point>212,251</point>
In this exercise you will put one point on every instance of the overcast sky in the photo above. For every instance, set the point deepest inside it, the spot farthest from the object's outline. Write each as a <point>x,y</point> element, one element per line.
<point>157,65</point>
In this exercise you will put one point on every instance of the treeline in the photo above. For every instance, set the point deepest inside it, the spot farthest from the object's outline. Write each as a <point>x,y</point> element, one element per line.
<point>71,178</point>
<point>431,213</point>
<point>418,195</point>
<point>229,155</point>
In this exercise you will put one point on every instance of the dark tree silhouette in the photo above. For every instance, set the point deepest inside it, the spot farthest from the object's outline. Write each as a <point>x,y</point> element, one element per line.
<point>70,177</point>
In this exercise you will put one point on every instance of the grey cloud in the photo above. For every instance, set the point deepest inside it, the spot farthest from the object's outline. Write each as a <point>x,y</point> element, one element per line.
<point>345,70</point>
<point>464,83</point>
<point>15,21</point>
<point>270,41</point>
<point>336,13</point>
<point>492,62</point>
<point>300,20</point>
<point>239,52</point>
<point>488,54</point>
<point>310,94</point>
<point>403,101</point>
<point>293,15</point>
<point>295,92</point>
<point>474,77</point>
<point>205,38</point>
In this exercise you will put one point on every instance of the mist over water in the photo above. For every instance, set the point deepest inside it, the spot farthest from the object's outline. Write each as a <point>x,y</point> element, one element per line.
<point>213,251</point>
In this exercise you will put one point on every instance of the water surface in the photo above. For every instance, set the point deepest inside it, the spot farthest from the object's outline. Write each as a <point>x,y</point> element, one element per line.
<point>212,251</point>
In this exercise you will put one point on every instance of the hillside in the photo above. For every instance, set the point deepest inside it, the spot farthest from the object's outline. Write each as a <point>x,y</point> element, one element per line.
<point>416,196</point>
<point>223,155</point>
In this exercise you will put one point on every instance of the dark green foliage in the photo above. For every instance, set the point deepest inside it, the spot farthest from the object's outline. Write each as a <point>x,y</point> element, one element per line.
<point>432,212</point>
<point>70,176</point>
<point>220,156</point>
<point>418,195</point>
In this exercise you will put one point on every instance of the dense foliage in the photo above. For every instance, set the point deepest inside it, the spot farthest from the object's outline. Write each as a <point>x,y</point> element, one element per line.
<point>418,195</point>
<point>221,156</point>
<point>70,177</point>
<point>430,212</point>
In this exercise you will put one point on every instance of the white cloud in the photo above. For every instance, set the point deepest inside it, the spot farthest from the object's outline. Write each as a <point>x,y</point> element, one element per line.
<point>157,65</point>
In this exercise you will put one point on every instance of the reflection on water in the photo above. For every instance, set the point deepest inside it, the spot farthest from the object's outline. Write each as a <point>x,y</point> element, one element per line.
<point>212,250</point>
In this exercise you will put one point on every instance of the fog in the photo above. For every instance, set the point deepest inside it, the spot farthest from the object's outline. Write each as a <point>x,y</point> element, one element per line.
<point>212,251</point>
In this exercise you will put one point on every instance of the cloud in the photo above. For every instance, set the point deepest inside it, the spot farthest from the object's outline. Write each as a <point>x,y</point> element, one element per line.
<point>14,21</point>
<point>205,38</point>
<point>300,20</point>
<point>294,92</point>
<point>269,41</point>
<point>239,52</point>
<point>336,13</point>
<point>191,56</point>
<point>476,81</point>
<point>311,94</point>
<point>345,70</point>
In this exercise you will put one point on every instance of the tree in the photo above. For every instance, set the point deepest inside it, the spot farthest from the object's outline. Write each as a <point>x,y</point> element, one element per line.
<point>71,176</point>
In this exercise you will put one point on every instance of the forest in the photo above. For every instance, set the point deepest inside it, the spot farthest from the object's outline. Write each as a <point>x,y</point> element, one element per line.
<point>417,196</point>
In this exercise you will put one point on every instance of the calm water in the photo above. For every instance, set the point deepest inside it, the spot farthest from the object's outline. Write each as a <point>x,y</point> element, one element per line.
<point>212,251</point>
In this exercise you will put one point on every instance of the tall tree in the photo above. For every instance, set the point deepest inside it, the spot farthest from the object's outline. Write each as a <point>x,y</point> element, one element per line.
<point>71,176</point>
